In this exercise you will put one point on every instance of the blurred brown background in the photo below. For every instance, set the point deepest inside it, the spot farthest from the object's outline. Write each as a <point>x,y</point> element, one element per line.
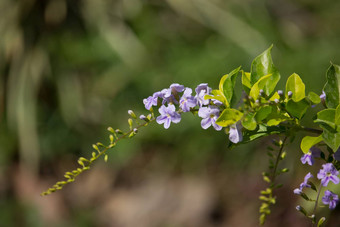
<point>70,69</point>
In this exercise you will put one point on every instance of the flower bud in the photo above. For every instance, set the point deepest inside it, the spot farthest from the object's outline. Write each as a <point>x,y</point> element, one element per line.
<point>290,94</point>
<point>132,114</point>
<point>280,92</point>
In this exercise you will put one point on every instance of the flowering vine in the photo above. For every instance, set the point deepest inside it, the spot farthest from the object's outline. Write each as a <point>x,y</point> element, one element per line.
<point>262,111</point>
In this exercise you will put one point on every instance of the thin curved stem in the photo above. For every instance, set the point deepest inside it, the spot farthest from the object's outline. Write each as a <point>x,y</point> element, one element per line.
<point>316,202</point>
<point>278,158</point>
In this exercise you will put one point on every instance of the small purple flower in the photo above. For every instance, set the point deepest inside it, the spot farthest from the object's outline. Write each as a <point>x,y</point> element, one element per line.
<point>187,101</point>
<point>149,102</point>
<point>168,115</point>
<point>330,199</point>
<point>337,155</point>
<point>314,152</point>
<point>235,133</point>
<point>307,158</point>
<point>201,91</point>
<point>304,184</point>
<point>209,115</point>
<point>174,88</point>
<point>328,173</point>
<point>323,96</point>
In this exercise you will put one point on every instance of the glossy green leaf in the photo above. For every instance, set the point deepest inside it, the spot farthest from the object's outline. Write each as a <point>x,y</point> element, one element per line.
<point>326,116</point>
<point>332,86</point>
<point>262,113</point>
<point>260,84</point>
<point>246,82</point>
<point>262,66</point>
<point>297,109</point>
<point>295,85</point>
<point>227,84</point>
<point>229,117</point>
<point>308,141</point>
<point>314,98</point>
<point>337,116</point>
<point>249,122</point>
<point>331,138</point>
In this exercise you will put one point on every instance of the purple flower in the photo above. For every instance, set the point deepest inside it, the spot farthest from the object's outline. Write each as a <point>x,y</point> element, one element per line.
<point>323,96</point>
<point>187,101</point>
<point>168,115</point>
<point>149,102</point>
<point>307,158</point>
<point>174,88</point>
<point>330,199</point>
<point>209,115</point>
<point>304,184</point>
<point>337,155</point>
<point>201,91</point>
<point>328,173</point>
<point>235,133</point>
<point>314,152</point>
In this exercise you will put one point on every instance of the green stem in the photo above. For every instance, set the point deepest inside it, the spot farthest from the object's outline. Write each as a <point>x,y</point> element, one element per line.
<point>278,159</point>
<point>316,202</point>
<point>70,176</point>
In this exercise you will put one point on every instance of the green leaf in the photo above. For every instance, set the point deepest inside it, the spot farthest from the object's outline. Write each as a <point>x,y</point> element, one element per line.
<point>229,117</point>
<point>246,82</point>
<point>262,66</point>
<point>314,98</point>
<point>337,116</point>
<point>308,142</point>
<point>275,96</point>
<point>295,85</point>
<point>260,84</point>
<point>326,116</point>
<point>297,109</point>
<point>262,130</point>
<point>262,113</point>
<point>249,122</point>
<point>332,86</point>
<point>276,117</point>
<point>227,84</point>
<point>332,139</point>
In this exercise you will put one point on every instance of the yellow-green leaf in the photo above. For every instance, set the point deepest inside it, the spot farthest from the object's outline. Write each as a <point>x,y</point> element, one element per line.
<point>308,141</point>
<point>296,86</point>
<point>229,117</point>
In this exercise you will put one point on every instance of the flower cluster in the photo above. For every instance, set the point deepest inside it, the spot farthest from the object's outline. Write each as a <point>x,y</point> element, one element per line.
<point>326,174</point>
<point>183,98</point>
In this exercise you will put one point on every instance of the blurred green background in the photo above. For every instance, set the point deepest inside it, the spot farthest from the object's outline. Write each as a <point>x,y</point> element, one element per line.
<point>70,69</point>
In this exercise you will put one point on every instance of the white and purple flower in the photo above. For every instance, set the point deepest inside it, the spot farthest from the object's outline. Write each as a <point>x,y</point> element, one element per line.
<point>328,173</point>
<point>314,152</point>
<point>330,199</point>
<point>168,115</point>
<point>187,101</point>
<point>209,115</point>
<point>304,184</point>
<point>235,133</point>
<point>201,91</point>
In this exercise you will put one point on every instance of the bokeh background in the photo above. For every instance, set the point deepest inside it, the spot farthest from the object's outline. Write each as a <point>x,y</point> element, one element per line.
<point>69,69</point>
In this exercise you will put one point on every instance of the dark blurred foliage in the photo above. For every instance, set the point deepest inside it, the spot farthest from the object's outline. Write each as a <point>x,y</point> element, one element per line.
<point>70,68</point>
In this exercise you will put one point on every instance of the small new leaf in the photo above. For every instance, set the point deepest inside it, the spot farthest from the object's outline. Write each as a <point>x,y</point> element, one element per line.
<point>295,85</point>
